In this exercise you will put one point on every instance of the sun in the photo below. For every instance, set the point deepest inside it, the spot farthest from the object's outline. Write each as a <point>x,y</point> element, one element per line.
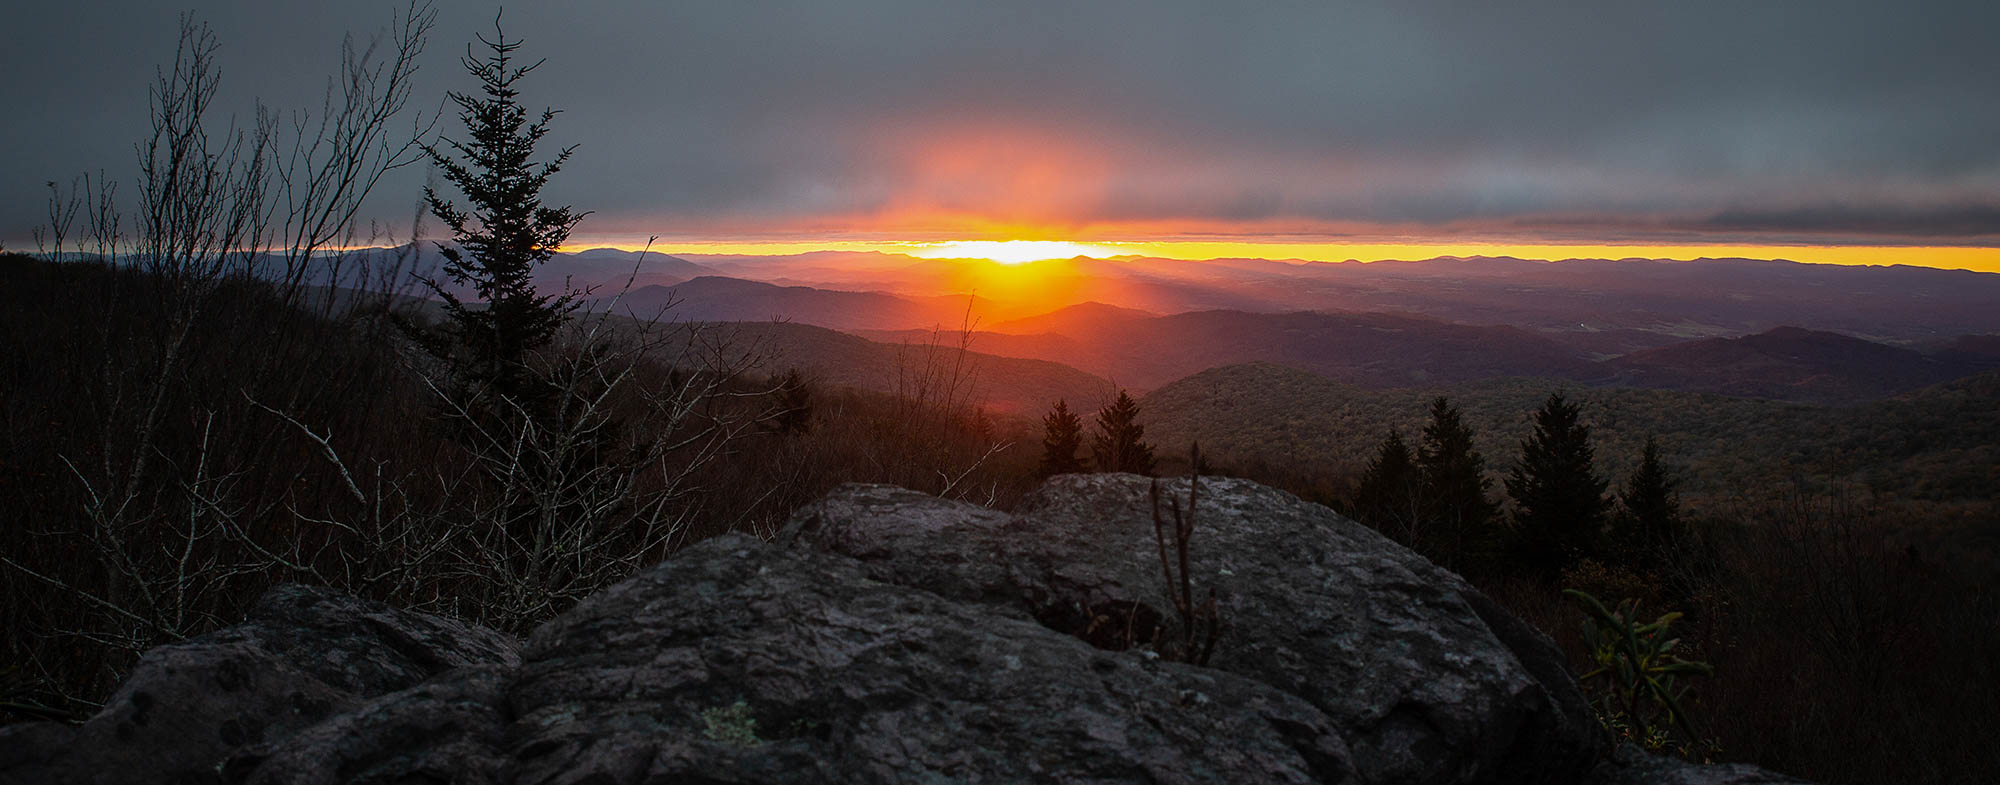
<point>1014,251</point>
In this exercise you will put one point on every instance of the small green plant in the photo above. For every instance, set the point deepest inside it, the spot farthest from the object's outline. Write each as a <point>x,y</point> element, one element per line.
<point>1639,680</point>
<point>731,724</point>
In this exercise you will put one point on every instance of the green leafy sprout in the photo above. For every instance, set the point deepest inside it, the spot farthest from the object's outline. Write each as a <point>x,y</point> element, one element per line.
<point>1639,680</point>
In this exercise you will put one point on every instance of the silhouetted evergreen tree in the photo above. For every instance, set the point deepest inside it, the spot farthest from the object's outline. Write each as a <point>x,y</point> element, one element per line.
<point>541,432</point>
<point>1650,522</point>
<point>1062,436</point>
<point>1460,520</point>
<point>980,426</point>
<point>503,233</point>
<point>1390,494</point>
<point>1559,499</point>
<point>794,403</point>
<point>1118,446</point>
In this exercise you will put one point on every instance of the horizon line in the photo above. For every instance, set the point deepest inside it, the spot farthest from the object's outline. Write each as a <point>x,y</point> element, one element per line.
<point>1969,258</point>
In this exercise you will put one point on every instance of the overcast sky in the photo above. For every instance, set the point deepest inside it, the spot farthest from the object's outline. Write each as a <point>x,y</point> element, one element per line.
<point>1602,121</point>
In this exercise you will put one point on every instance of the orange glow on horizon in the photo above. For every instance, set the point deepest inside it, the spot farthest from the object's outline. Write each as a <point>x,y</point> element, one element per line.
<point>1977,259</point>
<point>1015,251</point>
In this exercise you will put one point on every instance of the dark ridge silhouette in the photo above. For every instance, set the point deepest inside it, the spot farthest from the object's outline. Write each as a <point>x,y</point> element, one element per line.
<point>1369,349</point>
<point>712,298</point>
<point>1004,385</point>
<point>1790,363</point>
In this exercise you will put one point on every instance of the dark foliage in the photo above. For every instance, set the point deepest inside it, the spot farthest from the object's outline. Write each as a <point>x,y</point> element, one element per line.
<point>1391,495</point>
<point>1938,449</point>
<point>1559,500</point>
<point>505,231</point>
<point>1062,436</point>
<point>1459,526</point>
<point>1853,650</point>
<point>180,543</point>
<point>1649,523</point>
<point>794,403</point>
<point>1118,445</point>
<point>1845,614</point>
<point>242,496</point>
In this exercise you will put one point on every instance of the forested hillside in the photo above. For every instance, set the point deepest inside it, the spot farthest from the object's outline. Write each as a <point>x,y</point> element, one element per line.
<point>1937,444</point>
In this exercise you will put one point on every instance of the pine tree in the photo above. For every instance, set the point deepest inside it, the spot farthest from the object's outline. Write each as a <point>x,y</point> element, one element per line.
<point>505,231</point>
<point>794,403</point>
<point>1117,445</point>
<point>545,445</point>
<point>1559,499</point>
<point>1390,491</point>
<point>1460,519</point>
<point>1651,520</point>
<point>1062,436</point>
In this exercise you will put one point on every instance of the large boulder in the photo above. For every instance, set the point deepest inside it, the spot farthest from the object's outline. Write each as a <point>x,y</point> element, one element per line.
<point>1426,679</point>
<point>740,662</point>
<point>891,637</point>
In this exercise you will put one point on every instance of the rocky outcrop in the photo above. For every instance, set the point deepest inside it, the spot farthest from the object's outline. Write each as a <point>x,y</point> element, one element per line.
<point>891,637</point>
<point>755,664</point>
<point>1392,648</point>
<point>194,712</point>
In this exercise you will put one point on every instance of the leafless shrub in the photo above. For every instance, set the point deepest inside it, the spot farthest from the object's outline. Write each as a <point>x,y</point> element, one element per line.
<point>937,415</point>
<point>576,494</point>
<point>167,475</point>
<point>1200,624</point>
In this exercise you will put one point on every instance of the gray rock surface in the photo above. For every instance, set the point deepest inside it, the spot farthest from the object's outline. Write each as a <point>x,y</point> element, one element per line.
<point>1396,650</point>
<point>740,662</point>
<point>891,637</point>
<point>302,656</point>
<point>450,729</point>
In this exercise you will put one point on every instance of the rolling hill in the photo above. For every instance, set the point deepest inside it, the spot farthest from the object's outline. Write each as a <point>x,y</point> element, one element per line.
<point>1790,363</point>
<point>1007,386</point>
<point>1371,349</point>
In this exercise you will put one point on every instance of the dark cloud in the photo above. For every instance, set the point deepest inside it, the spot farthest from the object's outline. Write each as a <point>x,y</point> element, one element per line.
<point>1953,222</point>
<point>1410,114</point>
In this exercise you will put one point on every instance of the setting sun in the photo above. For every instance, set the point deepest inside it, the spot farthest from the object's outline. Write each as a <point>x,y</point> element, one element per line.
<point>1014,251</point>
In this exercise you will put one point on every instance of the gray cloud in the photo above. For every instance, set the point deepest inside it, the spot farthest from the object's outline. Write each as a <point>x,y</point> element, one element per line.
<point>1953,222</point>
<point>1415,114</point>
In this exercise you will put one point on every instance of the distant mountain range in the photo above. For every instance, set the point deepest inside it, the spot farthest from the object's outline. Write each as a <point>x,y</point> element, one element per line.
<point>1762,329</point>
<point>1394,350</point>
<point>1603,307</point>
<point>1606,306</point>
<point>609,270</point>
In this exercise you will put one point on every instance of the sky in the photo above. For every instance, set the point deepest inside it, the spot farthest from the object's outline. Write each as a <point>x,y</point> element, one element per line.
<point>1809,130</point>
